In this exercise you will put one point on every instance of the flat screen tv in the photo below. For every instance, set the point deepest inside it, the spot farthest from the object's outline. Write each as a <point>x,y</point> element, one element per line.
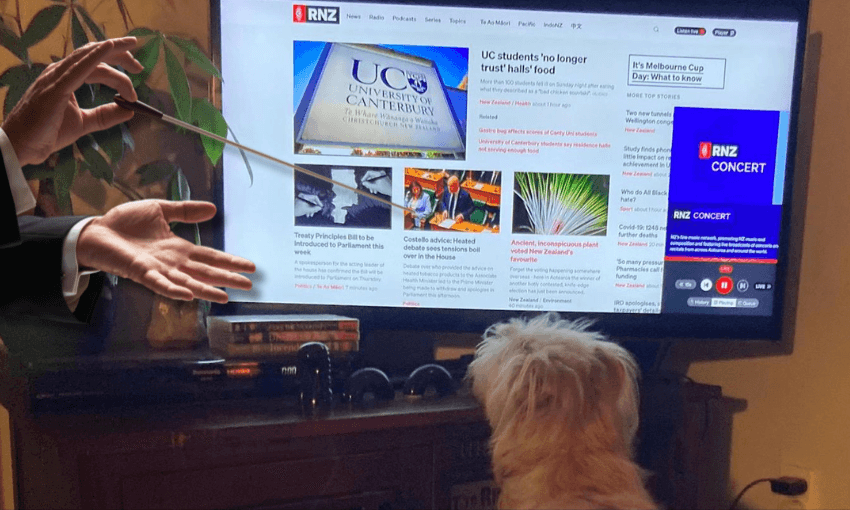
<point>629,162</point>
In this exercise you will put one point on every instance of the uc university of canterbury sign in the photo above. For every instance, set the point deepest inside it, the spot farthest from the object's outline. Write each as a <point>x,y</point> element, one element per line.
<point>369,97</point>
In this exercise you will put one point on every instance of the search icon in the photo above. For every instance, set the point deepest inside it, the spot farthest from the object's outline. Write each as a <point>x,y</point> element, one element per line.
<point>655,29</point>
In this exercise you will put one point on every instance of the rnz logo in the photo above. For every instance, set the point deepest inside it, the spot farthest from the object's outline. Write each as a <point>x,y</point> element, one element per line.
<point>708,150</point>
<point>313,14</point>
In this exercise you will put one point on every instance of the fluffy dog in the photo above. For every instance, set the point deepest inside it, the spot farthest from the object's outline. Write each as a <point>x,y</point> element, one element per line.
<point>562,403</point>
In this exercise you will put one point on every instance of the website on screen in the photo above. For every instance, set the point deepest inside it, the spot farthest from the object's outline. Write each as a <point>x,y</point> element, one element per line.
<point>544,160</point>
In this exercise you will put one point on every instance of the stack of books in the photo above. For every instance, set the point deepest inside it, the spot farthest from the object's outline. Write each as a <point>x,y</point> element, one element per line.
<point>243,336</point>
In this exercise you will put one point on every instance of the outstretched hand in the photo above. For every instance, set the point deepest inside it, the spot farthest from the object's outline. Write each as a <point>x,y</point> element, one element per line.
<point>134,241</point>
<point>48,118</point>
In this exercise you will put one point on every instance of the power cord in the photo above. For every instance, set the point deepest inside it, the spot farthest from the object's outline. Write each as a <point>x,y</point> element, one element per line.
<point>785,485</point>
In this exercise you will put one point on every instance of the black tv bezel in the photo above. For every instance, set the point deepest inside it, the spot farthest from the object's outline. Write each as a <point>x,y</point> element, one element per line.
<point>626,327</point>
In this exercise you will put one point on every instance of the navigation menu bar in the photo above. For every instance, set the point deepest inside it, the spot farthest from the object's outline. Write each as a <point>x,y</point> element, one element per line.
<point>578,25</point>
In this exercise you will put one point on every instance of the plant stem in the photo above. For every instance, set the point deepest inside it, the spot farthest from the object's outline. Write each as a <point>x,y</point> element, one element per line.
<point>125,188</point>
<point>18,17</point>
<point>70,30</point>
<point>46,203</point>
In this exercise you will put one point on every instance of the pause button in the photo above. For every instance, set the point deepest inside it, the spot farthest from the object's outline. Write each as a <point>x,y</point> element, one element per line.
<point>724,285</point>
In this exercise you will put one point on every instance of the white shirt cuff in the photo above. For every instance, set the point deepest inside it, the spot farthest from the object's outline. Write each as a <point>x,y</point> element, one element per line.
<point>21,193</point>
<point>71,273</point>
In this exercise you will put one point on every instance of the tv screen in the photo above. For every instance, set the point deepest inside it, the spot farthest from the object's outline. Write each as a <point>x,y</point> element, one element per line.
<point>629,162</point>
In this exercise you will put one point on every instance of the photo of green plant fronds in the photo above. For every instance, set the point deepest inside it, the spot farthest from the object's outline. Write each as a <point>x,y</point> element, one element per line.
<point>560,204</point>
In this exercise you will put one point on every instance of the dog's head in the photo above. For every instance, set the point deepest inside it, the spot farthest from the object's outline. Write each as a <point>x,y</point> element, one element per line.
<point>545,378</point>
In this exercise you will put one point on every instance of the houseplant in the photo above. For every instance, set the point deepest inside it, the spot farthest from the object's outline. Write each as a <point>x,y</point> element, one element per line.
<point>111,158</point>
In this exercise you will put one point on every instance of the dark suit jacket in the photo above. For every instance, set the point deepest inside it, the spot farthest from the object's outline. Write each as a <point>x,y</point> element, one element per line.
<point>464,206</point>
<point>31,264</point>
<point>9,234</point>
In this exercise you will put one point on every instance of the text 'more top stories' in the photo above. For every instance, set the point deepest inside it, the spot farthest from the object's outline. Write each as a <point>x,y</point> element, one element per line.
<point>546,161</point>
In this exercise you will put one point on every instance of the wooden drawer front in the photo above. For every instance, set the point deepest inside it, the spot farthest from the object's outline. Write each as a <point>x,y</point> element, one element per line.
<point>273,484</point>
<point>465,453</point>
<point>464,461</point>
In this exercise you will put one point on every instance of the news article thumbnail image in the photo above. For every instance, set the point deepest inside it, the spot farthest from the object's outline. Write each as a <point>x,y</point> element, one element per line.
<point>323,204</point>
<point>560,204</point>
<point>380,100</point>
<point>452,200</point>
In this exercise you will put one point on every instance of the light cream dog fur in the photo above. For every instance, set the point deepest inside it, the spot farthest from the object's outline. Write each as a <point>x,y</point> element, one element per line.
<point>562,403</point>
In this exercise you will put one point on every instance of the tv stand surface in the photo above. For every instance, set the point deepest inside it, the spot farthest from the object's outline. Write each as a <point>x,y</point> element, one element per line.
<point>262,453</point>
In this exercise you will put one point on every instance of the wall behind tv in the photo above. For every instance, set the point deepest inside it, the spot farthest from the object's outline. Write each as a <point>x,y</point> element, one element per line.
<point>795,409</point>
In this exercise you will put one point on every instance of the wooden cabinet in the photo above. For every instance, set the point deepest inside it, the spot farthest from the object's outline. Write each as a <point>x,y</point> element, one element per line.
<point>248,454</point>
<point>679,433</point>
<point>263,454</point>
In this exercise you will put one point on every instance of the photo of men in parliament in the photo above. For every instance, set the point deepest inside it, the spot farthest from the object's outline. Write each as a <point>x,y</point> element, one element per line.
<point>322,204</point>
<point>452,200</point>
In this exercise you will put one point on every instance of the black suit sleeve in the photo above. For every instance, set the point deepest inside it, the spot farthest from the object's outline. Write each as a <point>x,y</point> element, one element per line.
<point>465,205</point>
<point>34,272</point>
<point>9,234</point>
<point>31,261</point>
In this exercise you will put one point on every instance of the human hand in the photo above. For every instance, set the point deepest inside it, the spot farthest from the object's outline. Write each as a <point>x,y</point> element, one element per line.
<point>377,181</point>
<point>134,241</point>
<point>307,204</point>
<point>459,218</point>
<point>48,118</point>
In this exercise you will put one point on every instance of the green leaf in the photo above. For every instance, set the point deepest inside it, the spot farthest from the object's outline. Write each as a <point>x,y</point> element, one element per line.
<point>103,94</point>
<point>156,171</point>
<point>141,32</point>
<point>84,142</point>
<point>145,93</point>
<point>38,172</point>
<point>85,95</point>
<point>179,187</point>
<point>10,40</point>
<point>208,117</point>
<point>129,142</point>
<point>78,35</point>
<point>10,75</point>
<point>42,24</point>
<point>147,55</point>
<point>18,79</point>
<point>183,185</point>
<point>96,165</point>
<point>112,142</point>
<point>244,157</point>
<point>93,28</point>
<point>63,178</point>
<point>194,54</point>
<point>173,191</point>
<point>179,85</point>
